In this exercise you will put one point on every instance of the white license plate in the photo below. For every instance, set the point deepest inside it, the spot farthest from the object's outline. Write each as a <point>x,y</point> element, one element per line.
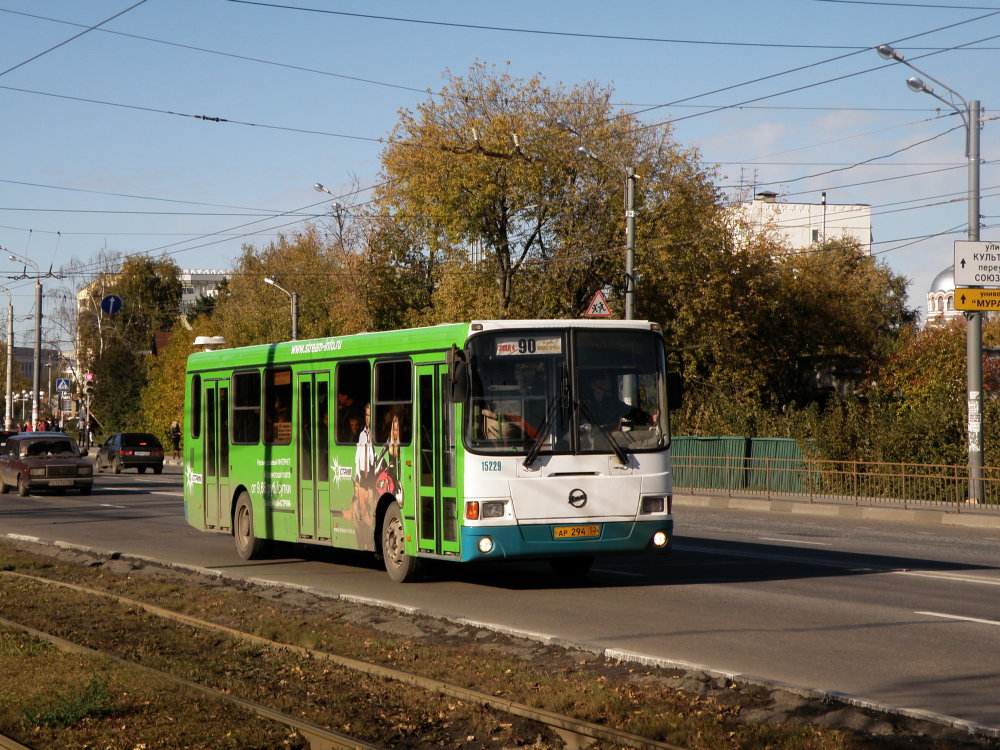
<point>60,483</point>
<point>141,453</point>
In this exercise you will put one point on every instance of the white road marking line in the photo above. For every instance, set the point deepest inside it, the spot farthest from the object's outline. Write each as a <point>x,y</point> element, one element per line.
<point>108,505</point>
<point>792,541</point>
<point>978,620</point>
<point>948,577</point>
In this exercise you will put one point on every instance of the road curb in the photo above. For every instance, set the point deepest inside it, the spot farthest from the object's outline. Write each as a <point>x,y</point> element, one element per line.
<point>924,516</point>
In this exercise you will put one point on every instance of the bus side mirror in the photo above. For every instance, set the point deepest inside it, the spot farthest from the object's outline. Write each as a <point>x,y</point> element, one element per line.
<point>458,375</point>
<point>675,390</point>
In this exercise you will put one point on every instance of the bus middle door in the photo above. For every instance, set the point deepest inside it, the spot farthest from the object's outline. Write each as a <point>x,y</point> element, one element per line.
<point>313,460</point>
<point>215,456</point>
<point>437,503</point>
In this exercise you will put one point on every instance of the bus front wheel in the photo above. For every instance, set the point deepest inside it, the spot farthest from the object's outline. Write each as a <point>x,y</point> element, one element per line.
<point>400,566</point>
<point>248,546</point>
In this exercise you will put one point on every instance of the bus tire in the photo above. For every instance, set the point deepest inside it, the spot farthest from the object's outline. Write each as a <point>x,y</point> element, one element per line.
<point>401,567</point>
<point>571,568</point>
<point>248,546</point>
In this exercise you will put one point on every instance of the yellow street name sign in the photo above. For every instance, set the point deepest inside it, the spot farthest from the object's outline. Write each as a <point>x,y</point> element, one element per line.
<point>977,299</point>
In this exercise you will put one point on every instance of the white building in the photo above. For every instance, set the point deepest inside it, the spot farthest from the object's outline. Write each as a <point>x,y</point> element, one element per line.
<point>197,283</point>
<point>804,225</point>
<point>941,299</point>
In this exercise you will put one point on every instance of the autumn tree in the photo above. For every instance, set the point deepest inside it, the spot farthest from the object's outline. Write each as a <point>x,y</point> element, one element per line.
<point>117,347</point>
<point>327,277</point>
<point>498,212</point>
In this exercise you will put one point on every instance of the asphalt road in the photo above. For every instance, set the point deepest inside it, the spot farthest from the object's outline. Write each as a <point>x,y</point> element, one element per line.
<point>897,614</point>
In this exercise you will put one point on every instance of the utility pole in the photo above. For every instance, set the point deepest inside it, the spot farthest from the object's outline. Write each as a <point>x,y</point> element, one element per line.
<point>630,178</point>
<point>8,411</point>
<point>970,114</point>
<point>974,326</point>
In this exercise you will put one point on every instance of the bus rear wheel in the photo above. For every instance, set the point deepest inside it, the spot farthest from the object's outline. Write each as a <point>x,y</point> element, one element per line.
<point>248,546</point>
<point>400,566</point>
<point>571,568</point>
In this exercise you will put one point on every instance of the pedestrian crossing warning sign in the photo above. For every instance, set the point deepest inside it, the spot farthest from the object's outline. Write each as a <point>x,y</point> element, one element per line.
<point>598,307</point>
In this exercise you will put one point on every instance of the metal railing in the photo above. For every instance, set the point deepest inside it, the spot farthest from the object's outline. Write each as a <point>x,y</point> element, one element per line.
<point>857,482</point>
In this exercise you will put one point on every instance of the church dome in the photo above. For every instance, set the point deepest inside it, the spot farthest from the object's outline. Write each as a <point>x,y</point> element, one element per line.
<point>944,281</point>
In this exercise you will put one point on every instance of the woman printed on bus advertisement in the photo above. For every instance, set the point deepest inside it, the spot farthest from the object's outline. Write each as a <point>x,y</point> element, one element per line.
<point>362,510</point>
<point>387,465</point>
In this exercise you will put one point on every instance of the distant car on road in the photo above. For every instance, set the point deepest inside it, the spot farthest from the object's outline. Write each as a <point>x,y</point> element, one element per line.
<point>4,434</point>
<point>123,450</point>
<point>34,461</point>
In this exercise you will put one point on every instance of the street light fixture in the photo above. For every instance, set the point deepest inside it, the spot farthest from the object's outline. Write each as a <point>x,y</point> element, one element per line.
<point>294,297</point>
<point>630,179</point>
<point>321,188</point>
<point>970,114</point>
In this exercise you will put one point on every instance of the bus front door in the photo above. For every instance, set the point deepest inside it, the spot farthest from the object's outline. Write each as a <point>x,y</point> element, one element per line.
<point>436,501</point>
<point>313,455</point>
<point>215,454</point>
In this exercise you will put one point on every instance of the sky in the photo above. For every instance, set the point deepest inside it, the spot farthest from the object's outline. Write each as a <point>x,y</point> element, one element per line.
<point>106,145</point>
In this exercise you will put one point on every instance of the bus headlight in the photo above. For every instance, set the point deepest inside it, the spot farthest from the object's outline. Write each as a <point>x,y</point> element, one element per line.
<point>485,545</point>
<point>476,510</point>
<point>652,503</point>
<point>660,539</point>
<point>493,509</point>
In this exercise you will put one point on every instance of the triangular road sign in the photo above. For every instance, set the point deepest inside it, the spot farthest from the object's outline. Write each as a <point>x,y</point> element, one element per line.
<point>598,307</point>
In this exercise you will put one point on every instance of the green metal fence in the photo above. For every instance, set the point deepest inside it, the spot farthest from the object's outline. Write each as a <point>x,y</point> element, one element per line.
<point>737,463</point>
<point>775,467</point>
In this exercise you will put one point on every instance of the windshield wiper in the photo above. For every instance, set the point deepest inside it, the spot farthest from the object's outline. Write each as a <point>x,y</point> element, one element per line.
<point>543,431</point>
<point>619,453</point>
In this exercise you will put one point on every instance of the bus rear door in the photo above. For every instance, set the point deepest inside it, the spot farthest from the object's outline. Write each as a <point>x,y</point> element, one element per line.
<point>437,496</point>
<point>313,459</point>
<point>215,453</point>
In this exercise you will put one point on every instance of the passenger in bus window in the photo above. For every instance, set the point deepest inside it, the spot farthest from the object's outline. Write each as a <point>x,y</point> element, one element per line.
<point>607,408</point>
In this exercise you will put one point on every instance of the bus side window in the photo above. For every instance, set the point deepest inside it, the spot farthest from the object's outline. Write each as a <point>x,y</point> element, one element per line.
<point>354,387</point>
<point>246,407</point>
<point>278,406</point>
<point>194,418</point>
<point>393,402</point>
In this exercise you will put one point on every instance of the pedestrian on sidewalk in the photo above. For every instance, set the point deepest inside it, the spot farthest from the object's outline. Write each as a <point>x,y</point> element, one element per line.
<point>175,438</point>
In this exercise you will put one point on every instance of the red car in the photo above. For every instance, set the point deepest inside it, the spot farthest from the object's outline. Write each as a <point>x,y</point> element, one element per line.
<point>34,461</point>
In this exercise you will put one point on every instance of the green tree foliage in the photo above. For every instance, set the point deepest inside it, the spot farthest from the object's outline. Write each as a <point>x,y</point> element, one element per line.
<point>327,277</point>
<point>117,348</point>
<point>162,399</point>
<point>497,213</point>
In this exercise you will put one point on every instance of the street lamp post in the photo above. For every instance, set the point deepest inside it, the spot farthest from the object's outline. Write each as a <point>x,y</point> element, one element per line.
<point>630,180</point>
<point>970,114</point>
<point>294,297</point>
<point>36,373</point>
<point>8,410</point>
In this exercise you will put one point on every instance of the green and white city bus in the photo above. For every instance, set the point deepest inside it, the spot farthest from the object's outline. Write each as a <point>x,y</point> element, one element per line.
<point>490,440</point>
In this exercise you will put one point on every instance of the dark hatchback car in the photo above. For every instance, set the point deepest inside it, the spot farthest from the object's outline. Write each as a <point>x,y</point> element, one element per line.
<point>123,450</point>
<point>34,461</point>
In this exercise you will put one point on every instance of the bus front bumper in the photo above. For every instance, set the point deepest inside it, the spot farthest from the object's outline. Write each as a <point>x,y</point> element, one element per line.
<point>546,541</point>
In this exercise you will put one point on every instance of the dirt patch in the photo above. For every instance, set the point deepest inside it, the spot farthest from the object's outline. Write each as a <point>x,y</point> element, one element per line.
<point>690,709</point>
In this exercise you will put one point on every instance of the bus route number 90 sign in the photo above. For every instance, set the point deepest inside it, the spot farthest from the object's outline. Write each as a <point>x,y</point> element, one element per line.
<point>529,345</point>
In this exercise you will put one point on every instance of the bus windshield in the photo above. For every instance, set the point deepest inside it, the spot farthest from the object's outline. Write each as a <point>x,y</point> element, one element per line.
<point>569,391</point>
